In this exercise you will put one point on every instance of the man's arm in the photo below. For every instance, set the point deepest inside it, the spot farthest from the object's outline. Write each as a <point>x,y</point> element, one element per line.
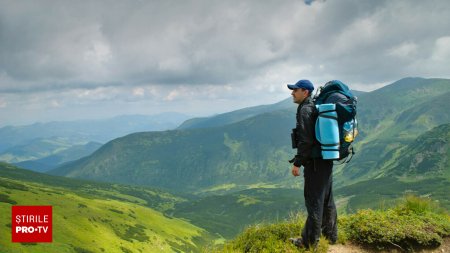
<point>306,129</point>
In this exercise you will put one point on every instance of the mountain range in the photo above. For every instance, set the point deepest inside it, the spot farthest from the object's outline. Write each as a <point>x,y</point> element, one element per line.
<point>246,152</point>
<point>256,149</point>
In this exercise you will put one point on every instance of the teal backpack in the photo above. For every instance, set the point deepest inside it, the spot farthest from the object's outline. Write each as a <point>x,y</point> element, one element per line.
<point>336,125</point>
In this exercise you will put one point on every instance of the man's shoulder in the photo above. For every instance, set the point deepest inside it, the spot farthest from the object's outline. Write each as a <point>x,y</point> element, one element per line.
<point>308,107</point>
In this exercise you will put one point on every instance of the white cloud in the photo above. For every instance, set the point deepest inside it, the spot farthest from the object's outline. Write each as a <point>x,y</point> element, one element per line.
<point>404,50</point>
<point>139,92</point>
<point>97,94</point>
<point>3,103</point>
<point>55,103</point>
<point>172,95</point>
<point>441,52</point>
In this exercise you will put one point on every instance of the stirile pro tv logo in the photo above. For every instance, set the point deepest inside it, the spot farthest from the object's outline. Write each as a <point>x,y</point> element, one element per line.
<point>31,224</point>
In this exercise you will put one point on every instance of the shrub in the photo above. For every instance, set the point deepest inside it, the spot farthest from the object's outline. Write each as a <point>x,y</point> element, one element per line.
<point>115,210</point>
<point>82,205</point>
<point>418,205</point>
<point>409,225</point>
<point>12,186</point>
<point>81,250</point>
<point>136,232</point>
<point>5,198</point>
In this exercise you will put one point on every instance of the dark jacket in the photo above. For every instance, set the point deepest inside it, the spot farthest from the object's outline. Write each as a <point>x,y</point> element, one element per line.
<point>307,145</point>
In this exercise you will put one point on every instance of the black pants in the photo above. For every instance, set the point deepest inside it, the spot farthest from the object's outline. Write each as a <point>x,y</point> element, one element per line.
<point>318,191</point>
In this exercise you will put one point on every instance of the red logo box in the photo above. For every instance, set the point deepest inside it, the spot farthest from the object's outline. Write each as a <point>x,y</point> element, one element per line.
<point>31,224</point>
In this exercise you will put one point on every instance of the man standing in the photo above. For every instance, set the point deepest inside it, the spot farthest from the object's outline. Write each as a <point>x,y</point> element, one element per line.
<point>322,215</point>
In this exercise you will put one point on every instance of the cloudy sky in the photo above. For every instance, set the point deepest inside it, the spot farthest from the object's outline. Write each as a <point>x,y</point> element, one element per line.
<point>63,60</point>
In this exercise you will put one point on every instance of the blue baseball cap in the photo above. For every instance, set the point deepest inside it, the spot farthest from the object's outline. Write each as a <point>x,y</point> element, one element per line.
<point>302,84</point>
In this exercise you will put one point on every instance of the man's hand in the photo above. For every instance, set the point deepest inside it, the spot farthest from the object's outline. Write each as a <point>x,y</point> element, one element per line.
<point>295,171</point>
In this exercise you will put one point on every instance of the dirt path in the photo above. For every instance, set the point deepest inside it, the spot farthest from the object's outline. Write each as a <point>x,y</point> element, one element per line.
<point>351,248</point>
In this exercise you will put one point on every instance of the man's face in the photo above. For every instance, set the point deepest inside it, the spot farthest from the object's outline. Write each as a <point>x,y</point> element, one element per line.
<point>299,95</point>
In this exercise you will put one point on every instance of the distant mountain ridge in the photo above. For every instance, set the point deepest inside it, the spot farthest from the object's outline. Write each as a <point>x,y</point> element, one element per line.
<point>44,146</point>
<point>88,130</point>
<point>235,116</point>
<point>52,161</point>
<point>242,114</point>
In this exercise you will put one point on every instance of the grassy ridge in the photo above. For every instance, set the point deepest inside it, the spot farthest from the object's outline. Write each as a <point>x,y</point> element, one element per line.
<point>89,218</point>
<point>415,223</point>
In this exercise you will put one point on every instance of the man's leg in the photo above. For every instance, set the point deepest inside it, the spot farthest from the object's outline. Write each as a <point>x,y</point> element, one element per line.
<point>316,177</point>
<point>329,221</point>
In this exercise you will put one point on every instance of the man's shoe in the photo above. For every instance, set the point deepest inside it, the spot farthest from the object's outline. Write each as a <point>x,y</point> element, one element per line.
<point>332,240</point>
<point>298,242</point>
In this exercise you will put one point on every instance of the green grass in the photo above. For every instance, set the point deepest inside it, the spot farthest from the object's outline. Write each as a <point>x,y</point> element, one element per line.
<point>413,224</point>
<point>89,218</point>
<point>269,238</point>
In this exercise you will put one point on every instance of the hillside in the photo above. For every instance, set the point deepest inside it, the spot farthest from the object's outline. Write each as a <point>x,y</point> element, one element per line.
<point>229,214</point>
<point>428,156</point>
<point>392,117</point>
<point>422,168</point>
<point>247,152</point>
<point>93,217</point>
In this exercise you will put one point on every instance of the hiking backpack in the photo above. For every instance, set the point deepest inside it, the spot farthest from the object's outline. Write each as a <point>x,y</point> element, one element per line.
<point>336,125</point>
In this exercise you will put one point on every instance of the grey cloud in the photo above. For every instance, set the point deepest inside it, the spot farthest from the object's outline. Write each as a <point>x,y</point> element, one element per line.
<point>208,42</point>
<point>65,44</point>
<point>355,38</point>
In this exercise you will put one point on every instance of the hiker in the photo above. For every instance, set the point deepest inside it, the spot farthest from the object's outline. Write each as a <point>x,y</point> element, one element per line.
<point>318,193</point>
